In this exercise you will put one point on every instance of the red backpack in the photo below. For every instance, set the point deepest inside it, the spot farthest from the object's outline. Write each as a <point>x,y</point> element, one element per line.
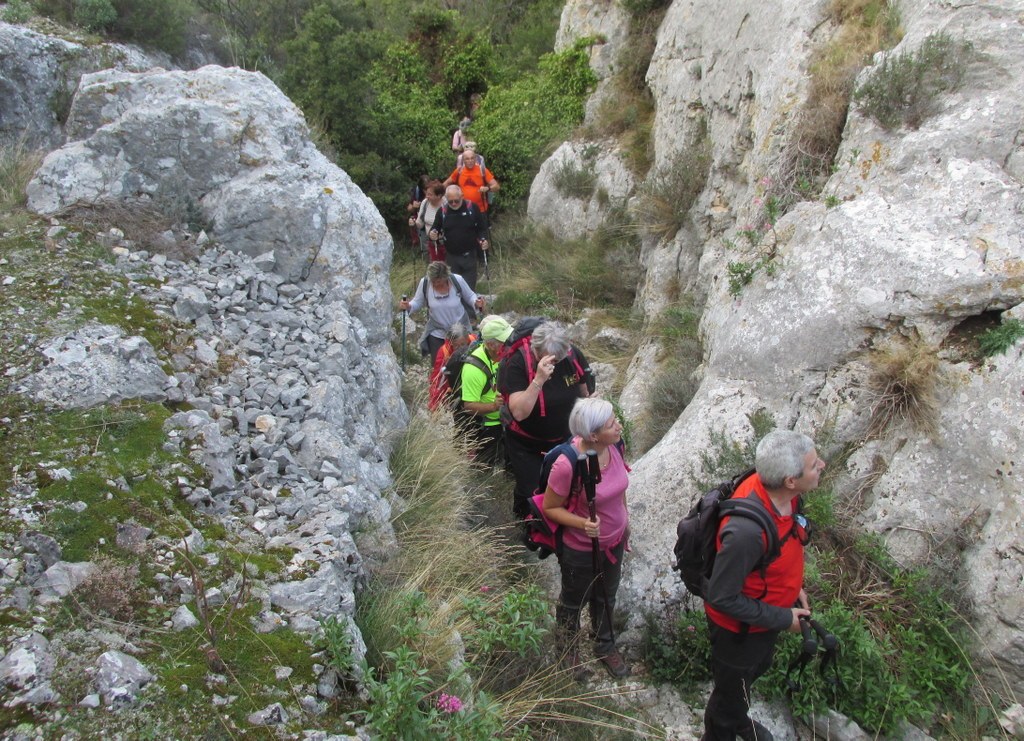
<point>519,341</point>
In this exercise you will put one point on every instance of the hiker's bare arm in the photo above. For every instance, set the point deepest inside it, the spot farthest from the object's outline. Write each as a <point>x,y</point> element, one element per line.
<point>521,403</point>
<point>482,407</point>
<point>554,508</point>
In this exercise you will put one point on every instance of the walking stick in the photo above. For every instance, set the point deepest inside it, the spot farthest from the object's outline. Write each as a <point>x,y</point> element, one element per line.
<point>487,272</point>
<point>591,478</point>
<point>404,314</point>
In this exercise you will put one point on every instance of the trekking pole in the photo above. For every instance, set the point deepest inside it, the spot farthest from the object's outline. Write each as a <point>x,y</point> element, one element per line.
<point>808,649</point>
<point>591,478</point>
<point>829,646</point>
<point>487,272</point>
<point>404,314</point>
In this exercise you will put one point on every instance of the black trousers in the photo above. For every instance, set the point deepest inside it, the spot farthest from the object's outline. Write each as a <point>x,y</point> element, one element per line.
<point>524,458</point>
<point>736,661</point>
<point>580,586</point>
<point>464,265</point>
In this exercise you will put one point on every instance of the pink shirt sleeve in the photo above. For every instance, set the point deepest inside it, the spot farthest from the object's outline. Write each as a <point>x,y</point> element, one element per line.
<point>560,478</point>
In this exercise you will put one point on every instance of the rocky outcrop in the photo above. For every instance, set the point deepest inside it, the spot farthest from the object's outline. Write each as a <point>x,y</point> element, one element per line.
<point>923,237</point>
<point>577,215</point>
<point>39,74</point>
<point>229,144</point>
<point>97,365</point>
<point>291,388</point>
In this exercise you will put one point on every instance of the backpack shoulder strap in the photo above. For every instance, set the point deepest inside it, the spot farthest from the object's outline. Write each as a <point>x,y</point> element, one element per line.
<point>423,287</point>
<point>476,362</point>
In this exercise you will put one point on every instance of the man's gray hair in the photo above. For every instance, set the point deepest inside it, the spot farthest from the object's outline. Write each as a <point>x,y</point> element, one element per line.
<point>437,270</point>
<point>550,339</point>
<point>458,331</point>
<point>589,415</point>
<point>781,454</point>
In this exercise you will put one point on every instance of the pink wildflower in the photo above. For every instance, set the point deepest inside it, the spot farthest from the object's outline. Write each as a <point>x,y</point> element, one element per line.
<point>449,703</point>
<point>766,182</point>
<point>485,589</point>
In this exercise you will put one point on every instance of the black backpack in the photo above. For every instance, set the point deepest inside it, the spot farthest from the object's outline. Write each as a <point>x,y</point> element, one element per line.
<point>697,532</point>
<point>452,370</point>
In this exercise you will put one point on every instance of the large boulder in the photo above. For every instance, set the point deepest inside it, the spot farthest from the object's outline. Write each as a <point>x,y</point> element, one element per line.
<point>38,76</point>
<point>229,143</point>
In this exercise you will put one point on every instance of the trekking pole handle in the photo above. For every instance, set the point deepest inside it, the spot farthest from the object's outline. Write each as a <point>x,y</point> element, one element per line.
<point>828,640</point>
<point>810,642</point>
<point>594,466</point>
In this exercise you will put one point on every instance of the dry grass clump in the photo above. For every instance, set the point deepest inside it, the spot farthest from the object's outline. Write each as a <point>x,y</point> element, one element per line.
<point>440,555</point>
<point>17,165</point>
<point>668,195</point>
<point>903,388</point>
<point>143,223</point>
<point>111,592</point>
<point>864,27</point>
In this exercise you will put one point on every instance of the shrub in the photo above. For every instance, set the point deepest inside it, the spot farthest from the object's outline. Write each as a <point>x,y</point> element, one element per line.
<point>518,122</point>
<point>17,165</point>
<point>16,11</point>
<point>673,386</point>
<point>678,651</point>
<point>905,89</point>
<point>575,177</point>
<point>667,196</point>
<point>94,15</point>
<point>903,388</point>
<point>998,340</point>
<point>864,27</point>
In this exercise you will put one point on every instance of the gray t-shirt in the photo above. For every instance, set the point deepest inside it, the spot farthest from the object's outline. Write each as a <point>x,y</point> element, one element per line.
<point>443,310</point>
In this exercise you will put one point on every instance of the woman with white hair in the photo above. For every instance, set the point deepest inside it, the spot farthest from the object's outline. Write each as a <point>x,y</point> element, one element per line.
<point>594,427</point>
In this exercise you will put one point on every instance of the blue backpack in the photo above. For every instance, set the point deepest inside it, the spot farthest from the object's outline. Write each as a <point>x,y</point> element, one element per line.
<point>542,534</point>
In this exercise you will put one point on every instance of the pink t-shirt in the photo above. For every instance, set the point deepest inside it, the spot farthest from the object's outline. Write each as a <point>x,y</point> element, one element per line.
<point>610,500</point>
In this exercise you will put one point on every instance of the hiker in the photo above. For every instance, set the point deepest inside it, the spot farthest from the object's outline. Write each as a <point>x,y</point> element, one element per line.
<point>594,426</point>
<point>459,137</point>
<point>476,182</point>
<point>747,607</point>
<point>541,381</point>
<point>448,299</point>
<point>432,202</point>
<point>416,195</point>
<point>460,224</point>
<point>458,336</point>
<point>460,160</point>
<point>481,404</point>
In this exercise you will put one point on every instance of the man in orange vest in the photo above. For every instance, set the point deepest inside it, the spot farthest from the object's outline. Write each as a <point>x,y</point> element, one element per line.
<point>477,182</point>
<point>750,602</point>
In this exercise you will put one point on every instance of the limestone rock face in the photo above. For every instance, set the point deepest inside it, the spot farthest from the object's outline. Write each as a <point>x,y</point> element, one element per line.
<point>229,143</point>
<point>38,75</point>
<point>923,238</point>
<point>576,215</point>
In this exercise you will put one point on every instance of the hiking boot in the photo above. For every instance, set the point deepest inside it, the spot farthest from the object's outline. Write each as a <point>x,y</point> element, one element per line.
<point>615,664</point>
<point>756,732</point>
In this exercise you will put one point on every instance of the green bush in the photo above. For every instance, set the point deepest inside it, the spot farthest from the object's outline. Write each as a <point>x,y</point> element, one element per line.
<point>905,89</point>
<point>575,178</point>
<point>998,340</point>
<point>518,122</point>
<point>678,652</point>
<point>16,11</point>
<point>94,15</point>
